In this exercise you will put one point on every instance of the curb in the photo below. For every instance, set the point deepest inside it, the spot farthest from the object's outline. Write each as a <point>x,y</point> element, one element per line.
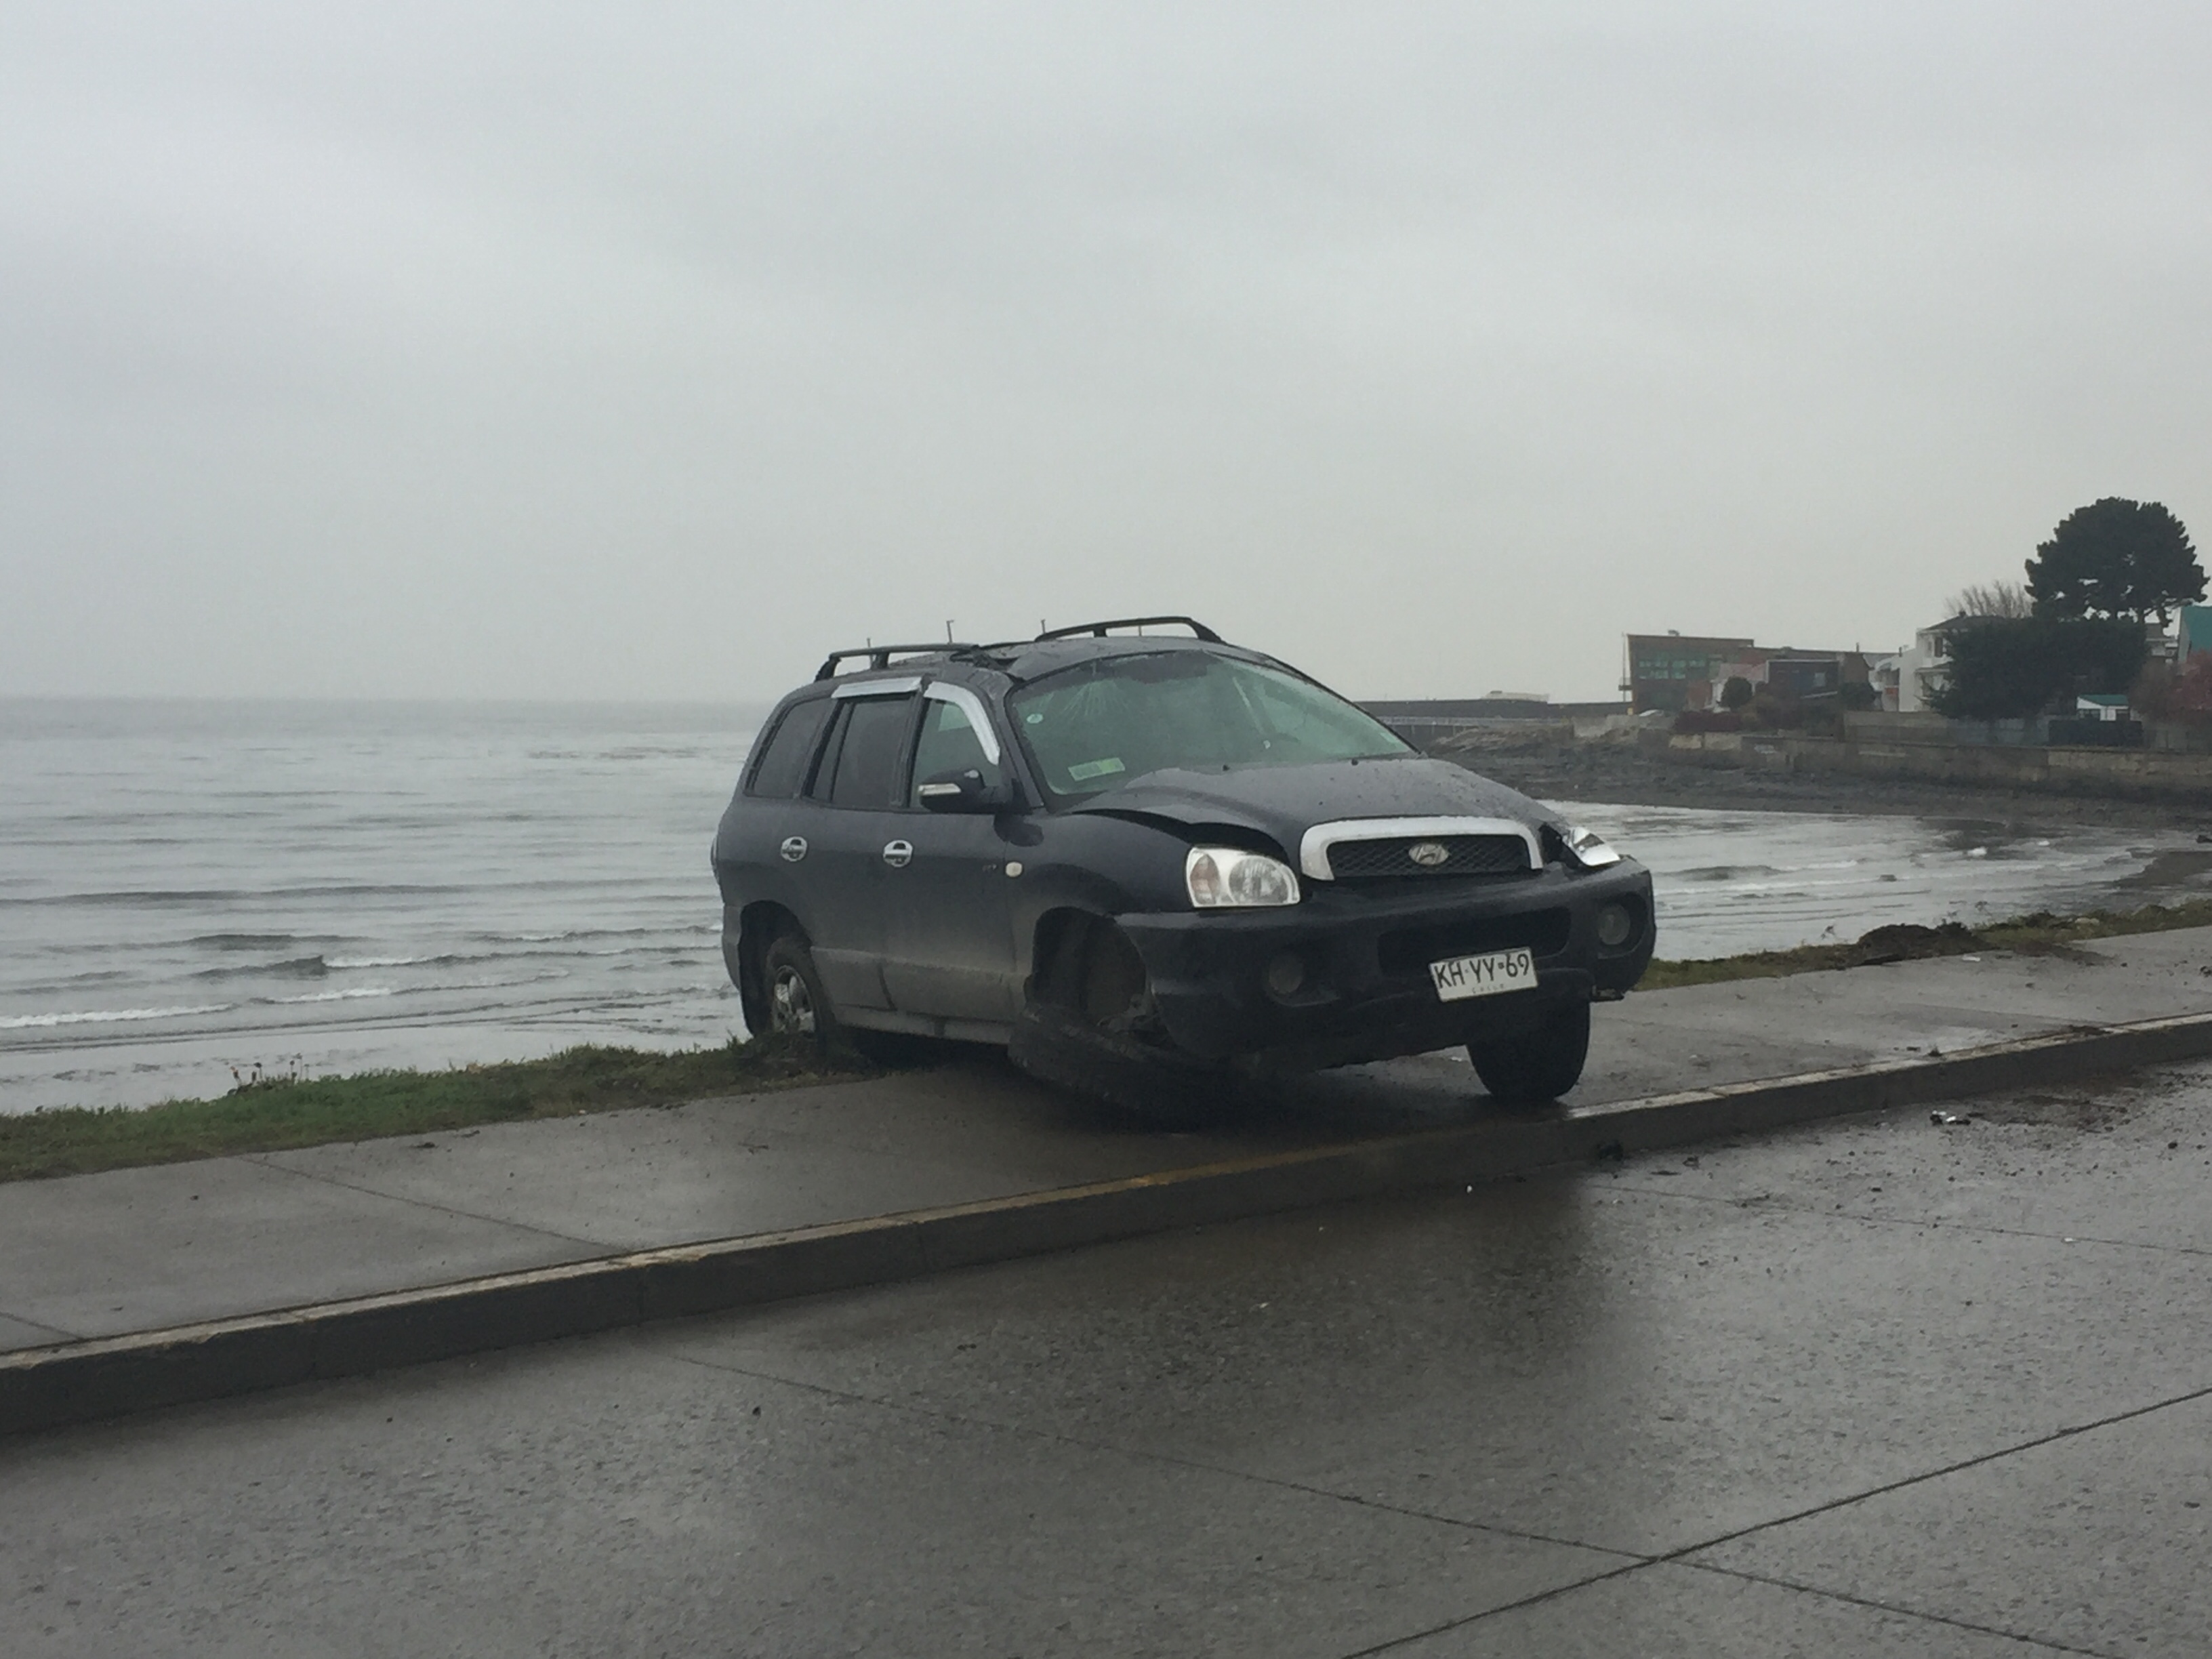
<point>108,1376</point>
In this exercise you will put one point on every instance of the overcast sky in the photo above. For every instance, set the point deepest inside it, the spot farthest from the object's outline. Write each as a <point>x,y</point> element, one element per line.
<point>650,351</point>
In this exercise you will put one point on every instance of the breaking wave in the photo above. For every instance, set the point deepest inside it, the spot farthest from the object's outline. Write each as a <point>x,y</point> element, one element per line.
<point>26,1022</point>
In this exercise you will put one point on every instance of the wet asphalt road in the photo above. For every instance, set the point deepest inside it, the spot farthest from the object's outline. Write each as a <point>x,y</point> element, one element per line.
<point>1875,1387</point>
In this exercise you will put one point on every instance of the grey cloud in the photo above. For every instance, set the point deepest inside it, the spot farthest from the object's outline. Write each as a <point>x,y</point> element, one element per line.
<point>564,351</point>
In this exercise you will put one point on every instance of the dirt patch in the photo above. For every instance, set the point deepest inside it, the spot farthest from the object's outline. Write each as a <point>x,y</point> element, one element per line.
<point>2091,1110</point>
<point>2171,870</point>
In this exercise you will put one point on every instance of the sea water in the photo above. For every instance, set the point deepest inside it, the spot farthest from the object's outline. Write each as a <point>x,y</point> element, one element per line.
<point>193,890</point>
<point>196,892</point>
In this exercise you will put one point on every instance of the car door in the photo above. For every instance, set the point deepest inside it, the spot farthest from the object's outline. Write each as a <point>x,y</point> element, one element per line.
<point>949,953</point>
<point>858,785</point>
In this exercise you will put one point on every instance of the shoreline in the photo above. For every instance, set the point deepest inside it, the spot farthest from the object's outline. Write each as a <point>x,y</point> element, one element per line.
<point>284,1113</point>
<point>1630,774</point>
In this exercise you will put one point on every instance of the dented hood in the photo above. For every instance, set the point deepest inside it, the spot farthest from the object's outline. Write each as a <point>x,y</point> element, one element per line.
<point>1283,802</point>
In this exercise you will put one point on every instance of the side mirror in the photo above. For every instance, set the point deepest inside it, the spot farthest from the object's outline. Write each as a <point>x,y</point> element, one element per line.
<point>963,791</point>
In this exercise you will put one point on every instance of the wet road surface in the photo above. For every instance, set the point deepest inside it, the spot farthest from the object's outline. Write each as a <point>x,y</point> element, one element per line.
<point>1873,1387</point>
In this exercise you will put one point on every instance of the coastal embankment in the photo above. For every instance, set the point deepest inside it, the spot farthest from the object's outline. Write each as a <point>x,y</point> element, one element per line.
<point>1789,772</point>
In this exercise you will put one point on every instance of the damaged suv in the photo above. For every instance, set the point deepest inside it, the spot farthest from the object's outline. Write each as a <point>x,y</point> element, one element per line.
<point>1149,863</point>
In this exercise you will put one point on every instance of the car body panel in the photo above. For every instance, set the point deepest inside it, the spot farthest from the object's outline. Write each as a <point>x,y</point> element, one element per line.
<point>948,915</point>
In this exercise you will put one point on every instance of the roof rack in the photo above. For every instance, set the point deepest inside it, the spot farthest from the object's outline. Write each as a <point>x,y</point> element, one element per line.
<point>879,656</point>
<point>1098,629</point>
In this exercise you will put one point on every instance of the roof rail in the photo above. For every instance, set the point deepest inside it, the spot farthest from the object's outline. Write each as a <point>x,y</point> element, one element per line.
<point>1098,629</point>
<point>879,656</point>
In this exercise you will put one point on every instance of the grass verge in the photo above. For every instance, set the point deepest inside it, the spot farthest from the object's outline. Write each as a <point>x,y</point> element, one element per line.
<point>2041,934</point>
<point>275,1113</point>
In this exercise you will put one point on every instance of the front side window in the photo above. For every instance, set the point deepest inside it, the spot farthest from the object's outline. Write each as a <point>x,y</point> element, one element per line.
<point>1098,727</point>
<point>861,767</point>
<point>949,742</point>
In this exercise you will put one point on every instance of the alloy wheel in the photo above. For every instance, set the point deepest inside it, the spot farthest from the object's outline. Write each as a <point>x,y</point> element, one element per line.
<point>791,1009</point>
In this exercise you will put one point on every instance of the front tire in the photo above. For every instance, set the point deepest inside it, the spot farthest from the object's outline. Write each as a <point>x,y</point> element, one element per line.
<point>1538,1066</point>
<point>1085,1032</point>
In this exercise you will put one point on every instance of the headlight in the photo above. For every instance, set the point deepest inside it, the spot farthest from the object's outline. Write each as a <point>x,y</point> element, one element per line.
<point>1222,878</point>
<point>1589,848</point>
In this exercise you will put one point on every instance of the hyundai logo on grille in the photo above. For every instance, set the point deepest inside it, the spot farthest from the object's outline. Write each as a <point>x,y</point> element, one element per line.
<point>1428,854</point>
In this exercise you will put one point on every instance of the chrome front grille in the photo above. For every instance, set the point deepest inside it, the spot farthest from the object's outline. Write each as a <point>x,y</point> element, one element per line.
<point>1463,855</point>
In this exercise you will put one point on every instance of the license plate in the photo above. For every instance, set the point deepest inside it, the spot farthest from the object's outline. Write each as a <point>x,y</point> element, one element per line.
<point>1486,976</point>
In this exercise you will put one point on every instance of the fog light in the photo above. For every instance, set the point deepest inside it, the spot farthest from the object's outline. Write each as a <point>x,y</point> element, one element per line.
<point>1285,975</point>
<point>1615,925</point>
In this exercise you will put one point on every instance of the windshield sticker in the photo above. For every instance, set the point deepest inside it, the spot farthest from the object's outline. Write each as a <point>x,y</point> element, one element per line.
<point>1083,771</point>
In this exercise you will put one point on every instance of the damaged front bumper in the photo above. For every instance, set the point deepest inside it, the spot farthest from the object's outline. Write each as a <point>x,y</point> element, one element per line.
<point>1343,976</point>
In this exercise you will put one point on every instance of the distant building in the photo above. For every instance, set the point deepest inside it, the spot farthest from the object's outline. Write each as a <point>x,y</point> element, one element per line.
<point>1669,672</point>
<point>2194,633</point>
<point>1885,675</point>
<point>1674,671</point>
<point>1924,666</point>
<point>1808,676</point>
<point>2102,705</point>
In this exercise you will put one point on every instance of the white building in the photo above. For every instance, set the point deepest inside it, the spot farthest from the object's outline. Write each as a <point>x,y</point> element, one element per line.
<point>1885,675</point>
<point>1923,668</point>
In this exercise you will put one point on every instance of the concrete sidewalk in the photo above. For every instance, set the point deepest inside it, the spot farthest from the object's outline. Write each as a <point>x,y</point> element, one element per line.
<point>135,1250</point>
<point>1866,1387</point>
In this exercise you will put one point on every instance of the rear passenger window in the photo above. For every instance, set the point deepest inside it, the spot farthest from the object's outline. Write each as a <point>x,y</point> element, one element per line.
<point>782,766</point>
<point>865,768</point>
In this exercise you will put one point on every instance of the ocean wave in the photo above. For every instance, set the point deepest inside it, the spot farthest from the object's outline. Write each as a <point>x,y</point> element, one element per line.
<point>290,968</point>
<point>146,897</point>
<point>381,962</point>
<point>72,984</point>
<point>347,995</point>
<point>22,1022</point>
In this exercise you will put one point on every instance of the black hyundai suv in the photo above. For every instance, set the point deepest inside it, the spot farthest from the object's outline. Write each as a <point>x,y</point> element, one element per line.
<point>1148,864</point>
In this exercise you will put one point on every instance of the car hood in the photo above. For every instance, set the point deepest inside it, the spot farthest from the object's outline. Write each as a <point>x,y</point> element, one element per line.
<point>1284,802</point>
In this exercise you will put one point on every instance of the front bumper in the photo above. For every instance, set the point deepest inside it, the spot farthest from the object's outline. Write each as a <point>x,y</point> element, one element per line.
<point>1366,992</point>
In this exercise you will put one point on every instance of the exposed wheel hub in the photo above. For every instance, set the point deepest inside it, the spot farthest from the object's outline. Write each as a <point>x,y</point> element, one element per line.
<point>791,1009</point>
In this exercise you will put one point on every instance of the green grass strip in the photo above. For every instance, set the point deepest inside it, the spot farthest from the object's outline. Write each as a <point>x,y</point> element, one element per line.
<point>277,1113</point>
<point>273,1114</point>
<point>2040,934</point>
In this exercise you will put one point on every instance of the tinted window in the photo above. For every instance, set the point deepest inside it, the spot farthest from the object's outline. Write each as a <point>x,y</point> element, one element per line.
<point>949,743</point>
<point>782,766</point>
<point>868,752</point>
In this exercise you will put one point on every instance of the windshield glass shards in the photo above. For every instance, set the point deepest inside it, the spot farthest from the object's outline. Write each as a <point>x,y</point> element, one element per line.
<point>1095,727</point>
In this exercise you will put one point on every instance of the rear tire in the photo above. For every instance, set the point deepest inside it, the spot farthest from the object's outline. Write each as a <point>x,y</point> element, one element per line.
<point>1538,1066</point>
<point>799,1010</point>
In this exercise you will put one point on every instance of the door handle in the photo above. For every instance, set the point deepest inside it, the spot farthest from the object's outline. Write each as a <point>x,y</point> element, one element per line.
<point>898,853</point>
